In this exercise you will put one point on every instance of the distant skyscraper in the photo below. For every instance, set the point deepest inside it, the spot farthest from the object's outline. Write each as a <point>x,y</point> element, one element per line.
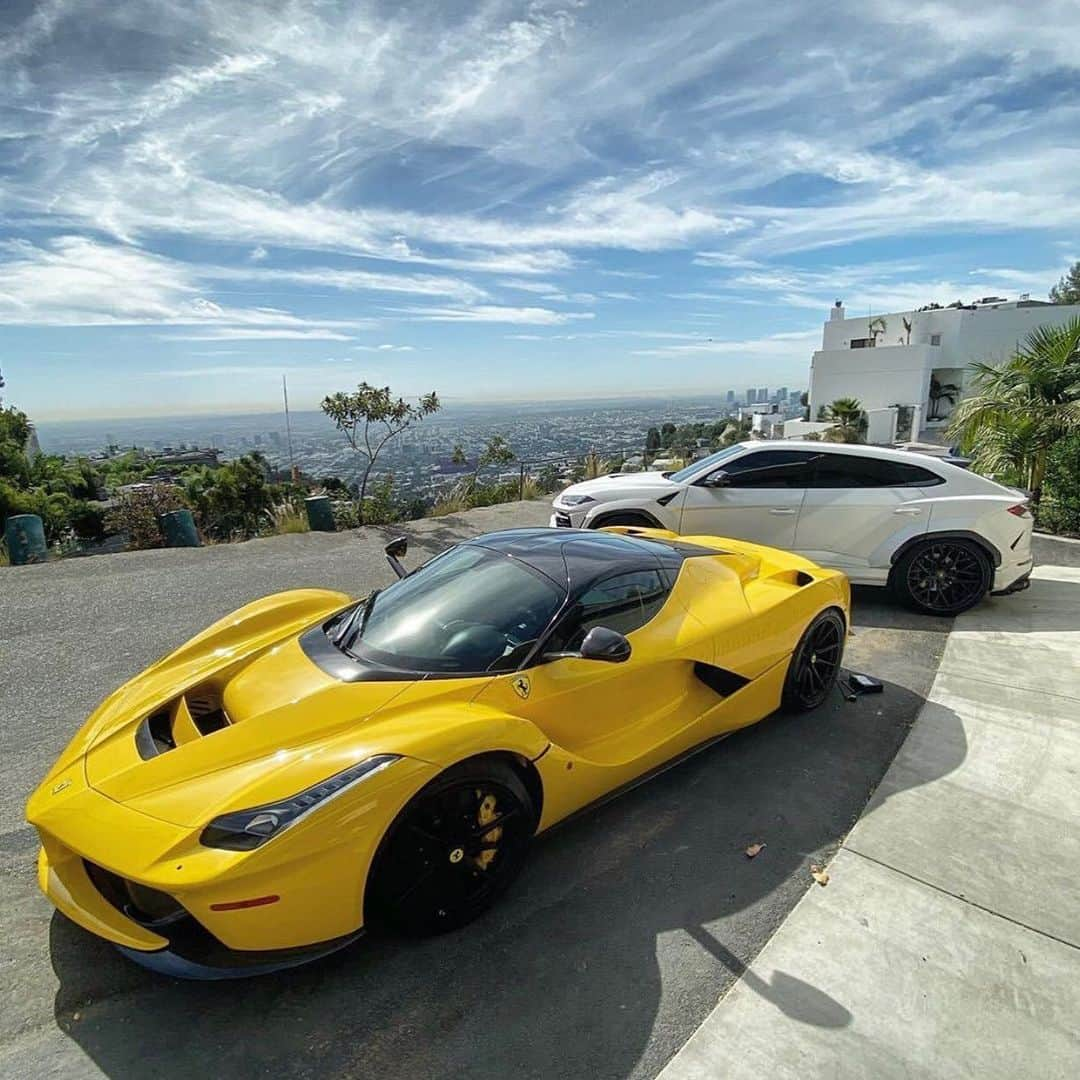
<point>781,394</point>
<point>731,396</point>
<point>762,394</point>
<point>751,396</point>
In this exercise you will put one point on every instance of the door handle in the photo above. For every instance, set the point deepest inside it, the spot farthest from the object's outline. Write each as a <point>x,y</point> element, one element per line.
<point>782,510</point>
<point>907,510</point>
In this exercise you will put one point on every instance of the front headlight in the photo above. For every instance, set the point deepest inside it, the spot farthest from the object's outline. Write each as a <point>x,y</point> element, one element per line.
<point>575,500</point>
<point>243,830</point>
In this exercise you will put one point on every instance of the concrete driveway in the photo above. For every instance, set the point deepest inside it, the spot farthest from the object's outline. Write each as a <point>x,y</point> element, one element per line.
<point>607,954</point>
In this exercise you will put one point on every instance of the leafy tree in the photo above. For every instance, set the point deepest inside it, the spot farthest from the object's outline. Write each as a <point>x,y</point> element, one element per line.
<point>457,455</point>
<point>652,439</point>
<point>1020,410</point>
<point>231,499</point>
<point>1067,290</point>
<point>369,417</point>
<point>497,451</point>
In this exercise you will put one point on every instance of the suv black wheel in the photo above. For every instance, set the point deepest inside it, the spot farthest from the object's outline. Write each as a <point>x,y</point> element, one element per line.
<point>942,577</point>
<point>815,663</point>
<point>452,851</point>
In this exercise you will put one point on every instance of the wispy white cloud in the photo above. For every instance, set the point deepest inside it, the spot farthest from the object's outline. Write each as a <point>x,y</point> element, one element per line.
<point>75,281</point>
<point>494,313</point>
<point>255,333</point>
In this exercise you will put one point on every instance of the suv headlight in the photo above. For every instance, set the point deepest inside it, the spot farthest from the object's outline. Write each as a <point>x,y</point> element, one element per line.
<point>244,830</point>
<point>575,500</point>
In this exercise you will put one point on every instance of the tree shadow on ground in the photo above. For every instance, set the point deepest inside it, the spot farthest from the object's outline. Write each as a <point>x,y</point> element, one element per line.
<point>614,945</point>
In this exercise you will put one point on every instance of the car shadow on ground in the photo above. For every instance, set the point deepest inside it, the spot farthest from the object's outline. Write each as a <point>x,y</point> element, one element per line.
<point>612,947</point>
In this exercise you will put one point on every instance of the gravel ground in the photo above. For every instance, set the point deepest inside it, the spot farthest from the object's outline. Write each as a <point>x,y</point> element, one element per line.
<point>623,931</point>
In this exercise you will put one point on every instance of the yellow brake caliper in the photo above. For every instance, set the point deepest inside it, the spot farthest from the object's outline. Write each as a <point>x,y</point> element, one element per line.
<point>485,815</point>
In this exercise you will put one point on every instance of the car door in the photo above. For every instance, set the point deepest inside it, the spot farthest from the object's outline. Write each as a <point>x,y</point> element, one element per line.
<point>857,511</point>
<point>755,497</point>
<point>615,715</point>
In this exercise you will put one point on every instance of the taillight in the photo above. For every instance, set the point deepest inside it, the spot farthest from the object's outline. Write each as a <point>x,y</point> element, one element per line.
<point>1020,510</point>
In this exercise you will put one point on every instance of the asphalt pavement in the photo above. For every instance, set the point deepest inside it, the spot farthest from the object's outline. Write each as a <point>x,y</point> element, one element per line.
<point>614,945</point>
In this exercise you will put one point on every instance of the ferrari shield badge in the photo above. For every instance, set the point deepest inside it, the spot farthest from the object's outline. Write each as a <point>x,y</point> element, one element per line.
<point>521,686</point>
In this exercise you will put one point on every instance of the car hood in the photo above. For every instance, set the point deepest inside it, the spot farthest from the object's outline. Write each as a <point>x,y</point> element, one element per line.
<point>624,485</point>
<point>217,742</point>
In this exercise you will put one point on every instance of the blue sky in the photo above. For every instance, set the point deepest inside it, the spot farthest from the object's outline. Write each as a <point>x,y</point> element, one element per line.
<point>501,200</point>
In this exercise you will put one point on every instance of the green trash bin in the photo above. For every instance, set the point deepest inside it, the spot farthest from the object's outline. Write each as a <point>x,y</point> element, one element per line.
<point>178,526</point>
<point>24,535</point>
<point>320,513</point>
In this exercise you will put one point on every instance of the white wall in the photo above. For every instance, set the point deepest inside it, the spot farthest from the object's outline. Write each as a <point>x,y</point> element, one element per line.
<point>879,378</point>
<point>799,429</point>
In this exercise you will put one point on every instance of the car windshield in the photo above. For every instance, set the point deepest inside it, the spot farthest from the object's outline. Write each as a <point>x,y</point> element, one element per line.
<point>469,610</point>
<point>709,462</point>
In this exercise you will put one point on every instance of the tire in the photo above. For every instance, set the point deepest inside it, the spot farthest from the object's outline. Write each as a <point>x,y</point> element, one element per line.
<point>942,577</point>
<point>452,851</point>
<point>627,518</point>
<point>815,663</point>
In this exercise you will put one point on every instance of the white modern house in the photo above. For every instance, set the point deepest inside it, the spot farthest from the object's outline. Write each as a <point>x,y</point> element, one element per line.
<point>888,361</point>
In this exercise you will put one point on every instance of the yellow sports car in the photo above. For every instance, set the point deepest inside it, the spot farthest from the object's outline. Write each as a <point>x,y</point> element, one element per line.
<point>311,765</point>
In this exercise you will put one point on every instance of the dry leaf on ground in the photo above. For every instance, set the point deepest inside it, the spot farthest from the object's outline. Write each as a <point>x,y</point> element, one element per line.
<point>754,849</point>
<point>819,874</point>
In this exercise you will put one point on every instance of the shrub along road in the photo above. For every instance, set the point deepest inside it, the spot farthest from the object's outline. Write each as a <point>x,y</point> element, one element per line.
<point>623,931</point>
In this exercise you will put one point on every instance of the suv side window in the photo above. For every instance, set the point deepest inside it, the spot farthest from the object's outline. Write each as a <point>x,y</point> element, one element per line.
<point>624,603</point>
<point>772,469</point>
<point>851,471</point>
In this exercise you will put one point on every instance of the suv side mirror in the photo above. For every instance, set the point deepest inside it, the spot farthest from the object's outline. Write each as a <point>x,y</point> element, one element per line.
<point>395,552</point>
<point>716,479</point>
<point>603,644</point>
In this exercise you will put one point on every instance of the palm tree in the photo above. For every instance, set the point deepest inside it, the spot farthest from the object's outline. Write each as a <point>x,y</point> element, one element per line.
<point>849,423</point>
<point>1021,409</point>
<point>939,392</point>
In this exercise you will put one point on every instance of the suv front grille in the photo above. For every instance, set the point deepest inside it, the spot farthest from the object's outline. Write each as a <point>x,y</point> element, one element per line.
<point>563,520</point>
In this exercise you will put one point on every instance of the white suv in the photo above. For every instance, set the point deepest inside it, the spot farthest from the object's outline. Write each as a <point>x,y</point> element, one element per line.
<point>939,536</point>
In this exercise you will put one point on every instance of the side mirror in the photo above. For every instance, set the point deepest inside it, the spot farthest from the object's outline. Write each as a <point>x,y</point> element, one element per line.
<point>603,644</point>
<point>395,552</point>
<point>716,479</point>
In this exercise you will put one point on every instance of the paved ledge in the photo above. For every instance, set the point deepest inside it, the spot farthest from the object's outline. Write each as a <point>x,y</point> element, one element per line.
<point>947,942</point>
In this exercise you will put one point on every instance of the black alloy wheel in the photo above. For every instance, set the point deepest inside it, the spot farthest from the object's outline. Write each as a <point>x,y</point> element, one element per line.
<point>452,851</point>
<point>815,663</point>
<point>943,577</point>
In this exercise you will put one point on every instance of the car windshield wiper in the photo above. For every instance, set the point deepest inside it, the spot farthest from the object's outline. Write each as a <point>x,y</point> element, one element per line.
<point>357,618</point>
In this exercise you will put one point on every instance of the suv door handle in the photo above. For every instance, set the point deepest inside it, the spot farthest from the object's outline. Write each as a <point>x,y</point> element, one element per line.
<point>908,510</point>
<point>782,510</point>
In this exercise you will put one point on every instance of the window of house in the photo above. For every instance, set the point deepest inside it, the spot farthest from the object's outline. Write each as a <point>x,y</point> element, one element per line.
<point>771,469</point>
<point>935,339</point>
<point>625,603</point>
<point>851,471</point>
<point>863,342</point>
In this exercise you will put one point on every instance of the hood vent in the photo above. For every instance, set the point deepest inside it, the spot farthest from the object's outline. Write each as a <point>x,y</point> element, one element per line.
<point>191,716</point>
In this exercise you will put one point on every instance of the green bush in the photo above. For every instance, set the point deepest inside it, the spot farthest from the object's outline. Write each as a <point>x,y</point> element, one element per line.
<point>136,513</point>
<point>1059,509</point>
